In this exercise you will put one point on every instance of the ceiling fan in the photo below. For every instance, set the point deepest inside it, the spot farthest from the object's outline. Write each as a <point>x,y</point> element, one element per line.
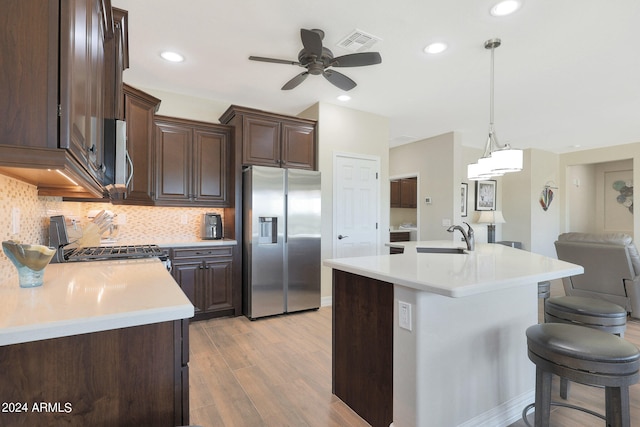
<point>318,60</point>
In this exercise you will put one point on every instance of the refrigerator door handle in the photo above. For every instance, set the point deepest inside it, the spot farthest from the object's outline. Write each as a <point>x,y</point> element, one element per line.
<point>286,215</point>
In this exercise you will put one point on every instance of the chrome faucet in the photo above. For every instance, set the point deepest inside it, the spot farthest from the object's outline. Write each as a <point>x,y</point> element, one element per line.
<point>468,236</point>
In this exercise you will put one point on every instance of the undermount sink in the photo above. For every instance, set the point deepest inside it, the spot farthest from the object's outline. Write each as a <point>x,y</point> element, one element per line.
<point>441,250</point>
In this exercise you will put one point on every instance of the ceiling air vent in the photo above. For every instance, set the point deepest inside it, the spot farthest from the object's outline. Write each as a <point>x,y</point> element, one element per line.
<point>358,41</point>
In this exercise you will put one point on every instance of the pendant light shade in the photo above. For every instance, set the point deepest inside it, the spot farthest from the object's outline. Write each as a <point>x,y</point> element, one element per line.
<point>497,159</point>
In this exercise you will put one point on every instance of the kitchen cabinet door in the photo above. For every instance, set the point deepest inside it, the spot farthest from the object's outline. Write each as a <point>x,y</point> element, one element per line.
<point>139,110</point>
<point>408,192</point>
<point>215,292</point>
<point>187,274</point>
<point>116,60</point>
<point>395,199</point>
<point>261,144</point>
<point>211,166</point>
<point>81,85</point>
<point>298,146</point>
<point>173,146</point>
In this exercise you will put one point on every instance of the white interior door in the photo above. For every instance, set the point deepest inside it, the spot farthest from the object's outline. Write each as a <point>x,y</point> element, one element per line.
<point>356,205</point>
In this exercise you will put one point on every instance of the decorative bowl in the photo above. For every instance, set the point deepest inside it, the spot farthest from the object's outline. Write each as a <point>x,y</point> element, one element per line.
<point>30,260</point>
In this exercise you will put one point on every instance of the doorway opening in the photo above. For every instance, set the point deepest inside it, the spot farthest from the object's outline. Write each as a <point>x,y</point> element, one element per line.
<point>403,206</point>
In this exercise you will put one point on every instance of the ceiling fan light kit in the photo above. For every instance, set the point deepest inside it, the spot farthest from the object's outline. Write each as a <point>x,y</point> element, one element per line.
<point>497,159</point>
<point>318,60</point>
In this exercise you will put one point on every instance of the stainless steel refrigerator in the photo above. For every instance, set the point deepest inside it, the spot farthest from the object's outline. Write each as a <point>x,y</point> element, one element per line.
<point>281,241</point>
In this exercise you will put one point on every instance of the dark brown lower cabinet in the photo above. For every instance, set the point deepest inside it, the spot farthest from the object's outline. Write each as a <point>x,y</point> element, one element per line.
<point>205,275</point>
<point>363,346</point>
<point>137,376</point>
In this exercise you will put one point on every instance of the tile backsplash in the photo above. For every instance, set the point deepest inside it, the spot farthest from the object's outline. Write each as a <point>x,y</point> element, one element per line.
<point>135,223</point>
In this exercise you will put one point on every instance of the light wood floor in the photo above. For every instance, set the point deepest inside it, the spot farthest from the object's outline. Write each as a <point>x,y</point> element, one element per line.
<point>277,372</point>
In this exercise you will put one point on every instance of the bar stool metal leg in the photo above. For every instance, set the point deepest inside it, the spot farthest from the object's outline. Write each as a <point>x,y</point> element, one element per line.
<point>616,398</point>
<point>543,397</point>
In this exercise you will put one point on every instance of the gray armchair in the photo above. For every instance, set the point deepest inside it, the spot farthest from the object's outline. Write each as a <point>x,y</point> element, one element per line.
<point>611,268</point>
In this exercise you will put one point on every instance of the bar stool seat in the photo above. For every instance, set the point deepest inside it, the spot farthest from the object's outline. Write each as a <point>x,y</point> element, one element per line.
<point>592,312</point>
<point>587,356</point>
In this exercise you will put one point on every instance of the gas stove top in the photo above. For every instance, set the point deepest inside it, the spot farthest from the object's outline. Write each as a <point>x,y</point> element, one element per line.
<point>100,253</point>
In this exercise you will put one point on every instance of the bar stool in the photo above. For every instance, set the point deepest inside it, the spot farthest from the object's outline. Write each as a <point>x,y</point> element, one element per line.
<point>590,312</point>
<point>587,356</point>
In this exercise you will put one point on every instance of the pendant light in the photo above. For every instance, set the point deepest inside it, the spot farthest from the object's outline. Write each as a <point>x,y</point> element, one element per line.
<point>497,159</point>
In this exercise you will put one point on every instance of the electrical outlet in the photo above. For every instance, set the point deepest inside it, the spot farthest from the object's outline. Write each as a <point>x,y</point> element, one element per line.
<point>121,219</point>
<point>183,219</point>
<point>446,222</point>
<point>404,315</point>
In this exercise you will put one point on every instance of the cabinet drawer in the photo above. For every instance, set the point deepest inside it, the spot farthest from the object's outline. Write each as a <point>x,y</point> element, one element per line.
<point>402,236</point>
<point>202,251</point>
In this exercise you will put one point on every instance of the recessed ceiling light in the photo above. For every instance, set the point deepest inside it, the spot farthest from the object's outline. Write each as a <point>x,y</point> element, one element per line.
<point>504,8</point>
<point>344,98</point>
<point>172,56</point>
<point>437,47</point>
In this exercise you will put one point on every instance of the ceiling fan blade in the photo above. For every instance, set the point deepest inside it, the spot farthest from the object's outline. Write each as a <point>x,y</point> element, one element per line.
<point>340,80</point>
<point>294,82</point>
<point>312,42</point>
<point>357,59</point>
<point>273,60</point>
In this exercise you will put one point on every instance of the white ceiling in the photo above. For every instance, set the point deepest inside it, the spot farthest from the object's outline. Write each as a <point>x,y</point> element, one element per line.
<point>567,73</point>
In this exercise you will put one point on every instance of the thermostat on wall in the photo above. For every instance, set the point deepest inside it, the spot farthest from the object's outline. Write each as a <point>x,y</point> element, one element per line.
<point>427,200</point>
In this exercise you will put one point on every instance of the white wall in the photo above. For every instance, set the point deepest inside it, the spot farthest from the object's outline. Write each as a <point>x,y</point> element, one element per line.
<point>187,107</point>
<point>346,130</point>
<point>581,192</point>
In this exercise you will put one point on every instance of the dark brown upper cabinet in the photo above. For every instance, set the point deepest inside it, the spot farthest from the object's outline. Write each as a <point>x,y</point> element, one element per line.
<point>139,113</point>
<point>116,60</point>
<point>52,98</point>
<point>404,193</point>
<point>192,164</point>
<point>269,139</point>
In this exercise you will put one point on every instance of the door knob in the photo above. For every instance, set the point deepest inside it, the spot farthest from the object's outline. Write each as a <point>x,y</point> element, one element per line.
<point>340,237</point>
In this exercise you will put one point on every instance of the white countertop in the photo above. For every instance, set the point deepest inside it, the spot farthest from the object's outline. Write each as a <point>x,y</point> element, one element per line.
<point>488,268</point>
<point>84,297</point>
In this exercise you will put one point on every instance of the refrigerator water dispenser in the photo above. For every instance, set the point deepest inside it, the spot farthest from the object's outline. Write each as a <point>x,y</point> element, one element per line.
<point>268,230</point>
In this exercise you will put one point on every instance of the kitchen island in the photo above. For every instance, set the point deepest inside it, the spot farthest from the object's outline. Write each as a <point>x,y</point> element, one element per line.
<point>434,339</point>
<point>100,343</point>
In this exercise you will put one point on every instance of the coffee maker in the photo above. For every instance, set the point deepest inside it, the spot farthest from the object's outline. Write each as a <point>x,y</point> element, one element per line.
<point>211,226</point>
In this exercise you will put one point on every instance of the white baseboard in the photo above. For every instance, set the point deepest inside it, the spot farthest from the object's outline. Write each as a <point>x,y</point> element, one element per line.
<point>326,301</point>
<point>503,415</point>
